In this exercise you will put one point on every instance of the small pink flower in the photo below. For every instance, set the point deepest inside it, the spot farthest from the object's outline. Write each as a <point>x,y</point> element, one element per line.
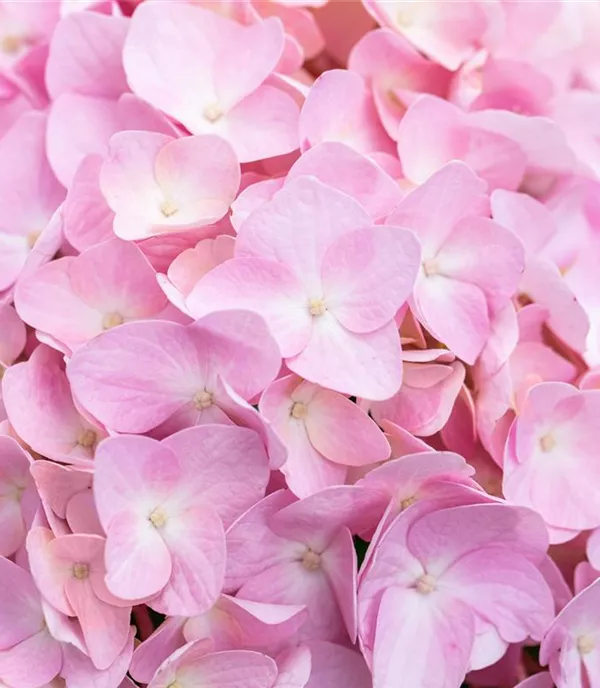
<point>164,506</point>
<point>328,283</point>
<point>189,366</point>
<point>324,433</point>
<point>229,97</point>
<point>156,183</point>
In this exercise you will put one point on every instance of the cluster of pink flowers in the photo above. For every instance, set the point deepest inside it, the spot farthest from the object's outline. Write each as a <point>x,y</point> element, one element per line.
<point>299,344</point>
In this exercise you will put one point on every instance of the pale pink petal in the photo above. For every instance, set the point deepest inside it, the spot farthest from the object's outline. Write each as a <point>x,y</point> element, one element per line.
<point>80,672</point>
<point>138,561</point>
<point>422,639</point>
<point>231,464</point>
<point>340,566</point>
<point>87,218</point>
<point>368,275</point>
<point>85,56</point>
<point>265,287</point>
<point>41,409</point>
<point>149,655</point>
<point>426,399</point>
<point>20,608</point>
<point>263,125</point>
<point>455,312</point>
<point>341,167</point>
<point>110,378</point>
<point>105,628</point>
<point>233,669</point>
<point>434,208</point>
<point>361,442</point>
<point>365,365</point>
<point>13,337</point>
<point>298,226</point>
<point>340,108</point>
<point>33,662</point>
<point>507,590</point>
<point>294,667</point>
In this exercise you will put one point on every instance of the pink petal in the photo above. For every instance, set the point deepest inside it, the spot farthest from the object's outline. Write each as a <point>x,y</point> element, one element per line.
<point>340,566</point>
<point>511,594</point>
<point>362,442</point>
<point>87,218</point>
<point>336,665</point>
<point>20,608</point>
<point>339,166</point>
<point>85,56</point>
<point>425,641</point>
<point>368,275</point>
<point>149,655</point>
<point>340,108</point>
<point>105,628</point>
<point>298,226</point>
<point>434,208</point>
<point>12,340</point>
<point>232,464</point>
<point>364,365</point>
<point>455,312</point>
<point>41,409</point>
<point>138,562</point>
<point>263,125</point>
<point>33,662</point>
<point>263,286</point>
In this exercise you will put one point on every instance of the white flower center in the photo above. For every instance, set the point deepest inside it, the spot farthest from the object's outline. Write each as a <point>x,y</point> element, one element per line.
<point>203,400</point>
<point>168,208</point>
<point>317,307</point>
<point>111,320</point>
<point>81,571</point>
<point>426,584</point>
<point>213,112</point>
<point>585,644</point>
<point>547,443</point>
<point>299,410</point>
<point>158,518</point>
<point>311,560</point>
<point>87,439</point>
<point>11,44</point>
<point>430,267</point>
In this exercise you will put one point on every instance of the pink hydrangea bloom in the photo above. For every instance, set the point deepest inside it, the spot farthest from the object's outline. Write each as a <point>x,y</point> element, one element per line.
<point>483,561</point>
<point>61,300</point>
<point>470,264</point>
<point>165,43</point>
<point>549,461</point>
<point>187,364</point>
<point>310,419</point>
<point>165,512</point>
<point>327,282</point>
<point>155,183</point>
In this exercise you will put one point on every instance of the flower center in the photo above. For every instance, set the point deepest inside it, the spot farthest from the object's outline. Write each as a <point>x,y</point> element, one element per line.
<point>87,439</point>
<point>405,16</point>
<point>430,267</point>
<point>158,518</point>
<point>311,560</point>
<point>299,410</point>
<point>409,501</point>
<point>32,238</point>
<point>585,644</point>
<point>175,684</point>
<point>426,584</point>
<point>2,371</point>
<point>81,571</point>
<point>111,320</point>
<point>317,307</point>
<point>203,400</point>
<point>213,112</point>
<point>11,44</point>
<point>168,208</point>
<point>547,443</point>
